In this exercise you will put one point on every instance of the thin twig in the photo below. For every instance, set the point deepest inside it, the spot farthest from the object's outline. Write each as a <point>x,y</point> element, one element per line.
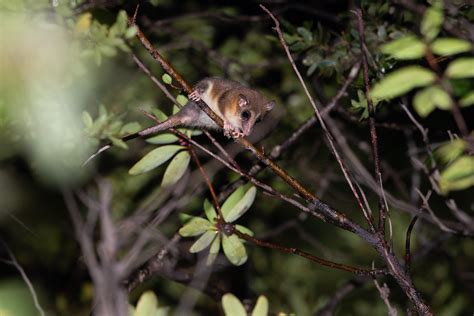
<point>383,206</point>
<point>321,261</point>
<point>408,246</point>
<point>317,112</point>
<point>13,262</point>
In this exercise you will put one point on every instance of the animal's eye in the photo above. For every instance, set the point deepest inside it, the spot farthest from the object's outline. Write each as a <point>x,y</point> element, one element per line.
<point>245,115</point>
<point>258,120</point>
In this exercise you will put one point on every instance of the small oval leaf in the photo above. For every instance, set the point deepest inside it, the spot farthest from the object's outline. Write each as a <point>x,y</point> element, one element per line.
<point>401,81</point>
<point>233,199</point>
<point>176,168</point>
<point>203,242</point>
<point>426,100</point>
<point>196,226</point>
<point>163,139</point>
<point>167,79</point>
<point>450,46</point>
<point>182,99</point>
<point>147,304</point>
<point>261,307</point>
<point>210,211</point>
<point>244,230</point>
<point>242,206</point>
<point>214,251</point>
<point>154,158</point>
<point>234,249</point>
<point>458,176</point>
<point>432,21</point>
<point>404,48</point>
<point>232,306</point>
<point>461,68</point>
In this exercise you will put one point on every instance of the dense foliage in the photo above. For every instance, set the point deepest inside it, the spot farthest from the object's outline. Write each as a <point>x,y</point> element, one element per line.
<point>159,226</point>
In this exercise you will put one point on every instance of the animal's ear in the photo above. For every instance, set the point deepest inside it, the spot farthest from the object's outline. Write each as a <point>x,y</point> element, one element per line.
<point>270,105</point>
<point>243,102</point>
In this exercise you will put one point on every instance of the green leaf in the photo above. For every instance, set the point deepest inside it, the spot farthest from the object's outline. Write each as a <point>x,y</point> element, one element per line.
<point>130,128</point>
<point>401,81</point>
<point>162,139</point>
<point>147,304</point>
<point>118,142</point>
<point>232,306</point>
<point>204,241</point>
<point>458,176</point>
<point>428,99</point>
<point>154,158</point>
<point>167,79</point>
<point>404,48</point>
<point>210,211</point>
<point>305,33</point>
<point>261,307</point>
<point>450,151</point>
<point>461,68</point>
<point>244,230</point>
<point>233,199</point>
<point>131,31</point>
<point>234,249</point>
<point>432,21</point>
<point>196,226</point>
<point>162,311</point>
<point>240,207</point>
<point>87,119</point>
<point>214,251</point>
<point>467,100</point>
<point>182,99</point>
<point>107,50</point>
<point>176,169</point>
<point>450,46</point>
<point>159,114</point>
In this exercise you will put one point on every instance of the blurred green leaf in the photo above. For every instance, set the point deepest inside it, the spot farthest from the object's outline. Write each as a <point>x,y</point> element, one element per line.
<point>450,46</point>
<point>305,33</point>
<point>450,151</point>
<point>429,98</point>
<point>130,128</point>
<point>461,68</point>
<point>404,48</point>
<point>147,304</point>
<point>194,227</point>
<point>154,158</point>
<point>234,249</point>
<point>261,307</point>
<point>176,168</point>
<point>232,306</point>
<point>467,100</point>
<point>131,31</point>
<point>401,81</point>
<point>182,99</point>
<point>458,176</point>
<point>432,21</point>
<point>162,139</point>
<point>167,79</point>
<point>87,119</point>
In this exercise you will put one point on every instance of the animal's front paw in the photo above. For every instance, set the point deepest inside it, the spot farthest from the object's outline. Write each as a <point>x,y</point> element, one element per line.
<point>194,96</point>
<point>231,132</point>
